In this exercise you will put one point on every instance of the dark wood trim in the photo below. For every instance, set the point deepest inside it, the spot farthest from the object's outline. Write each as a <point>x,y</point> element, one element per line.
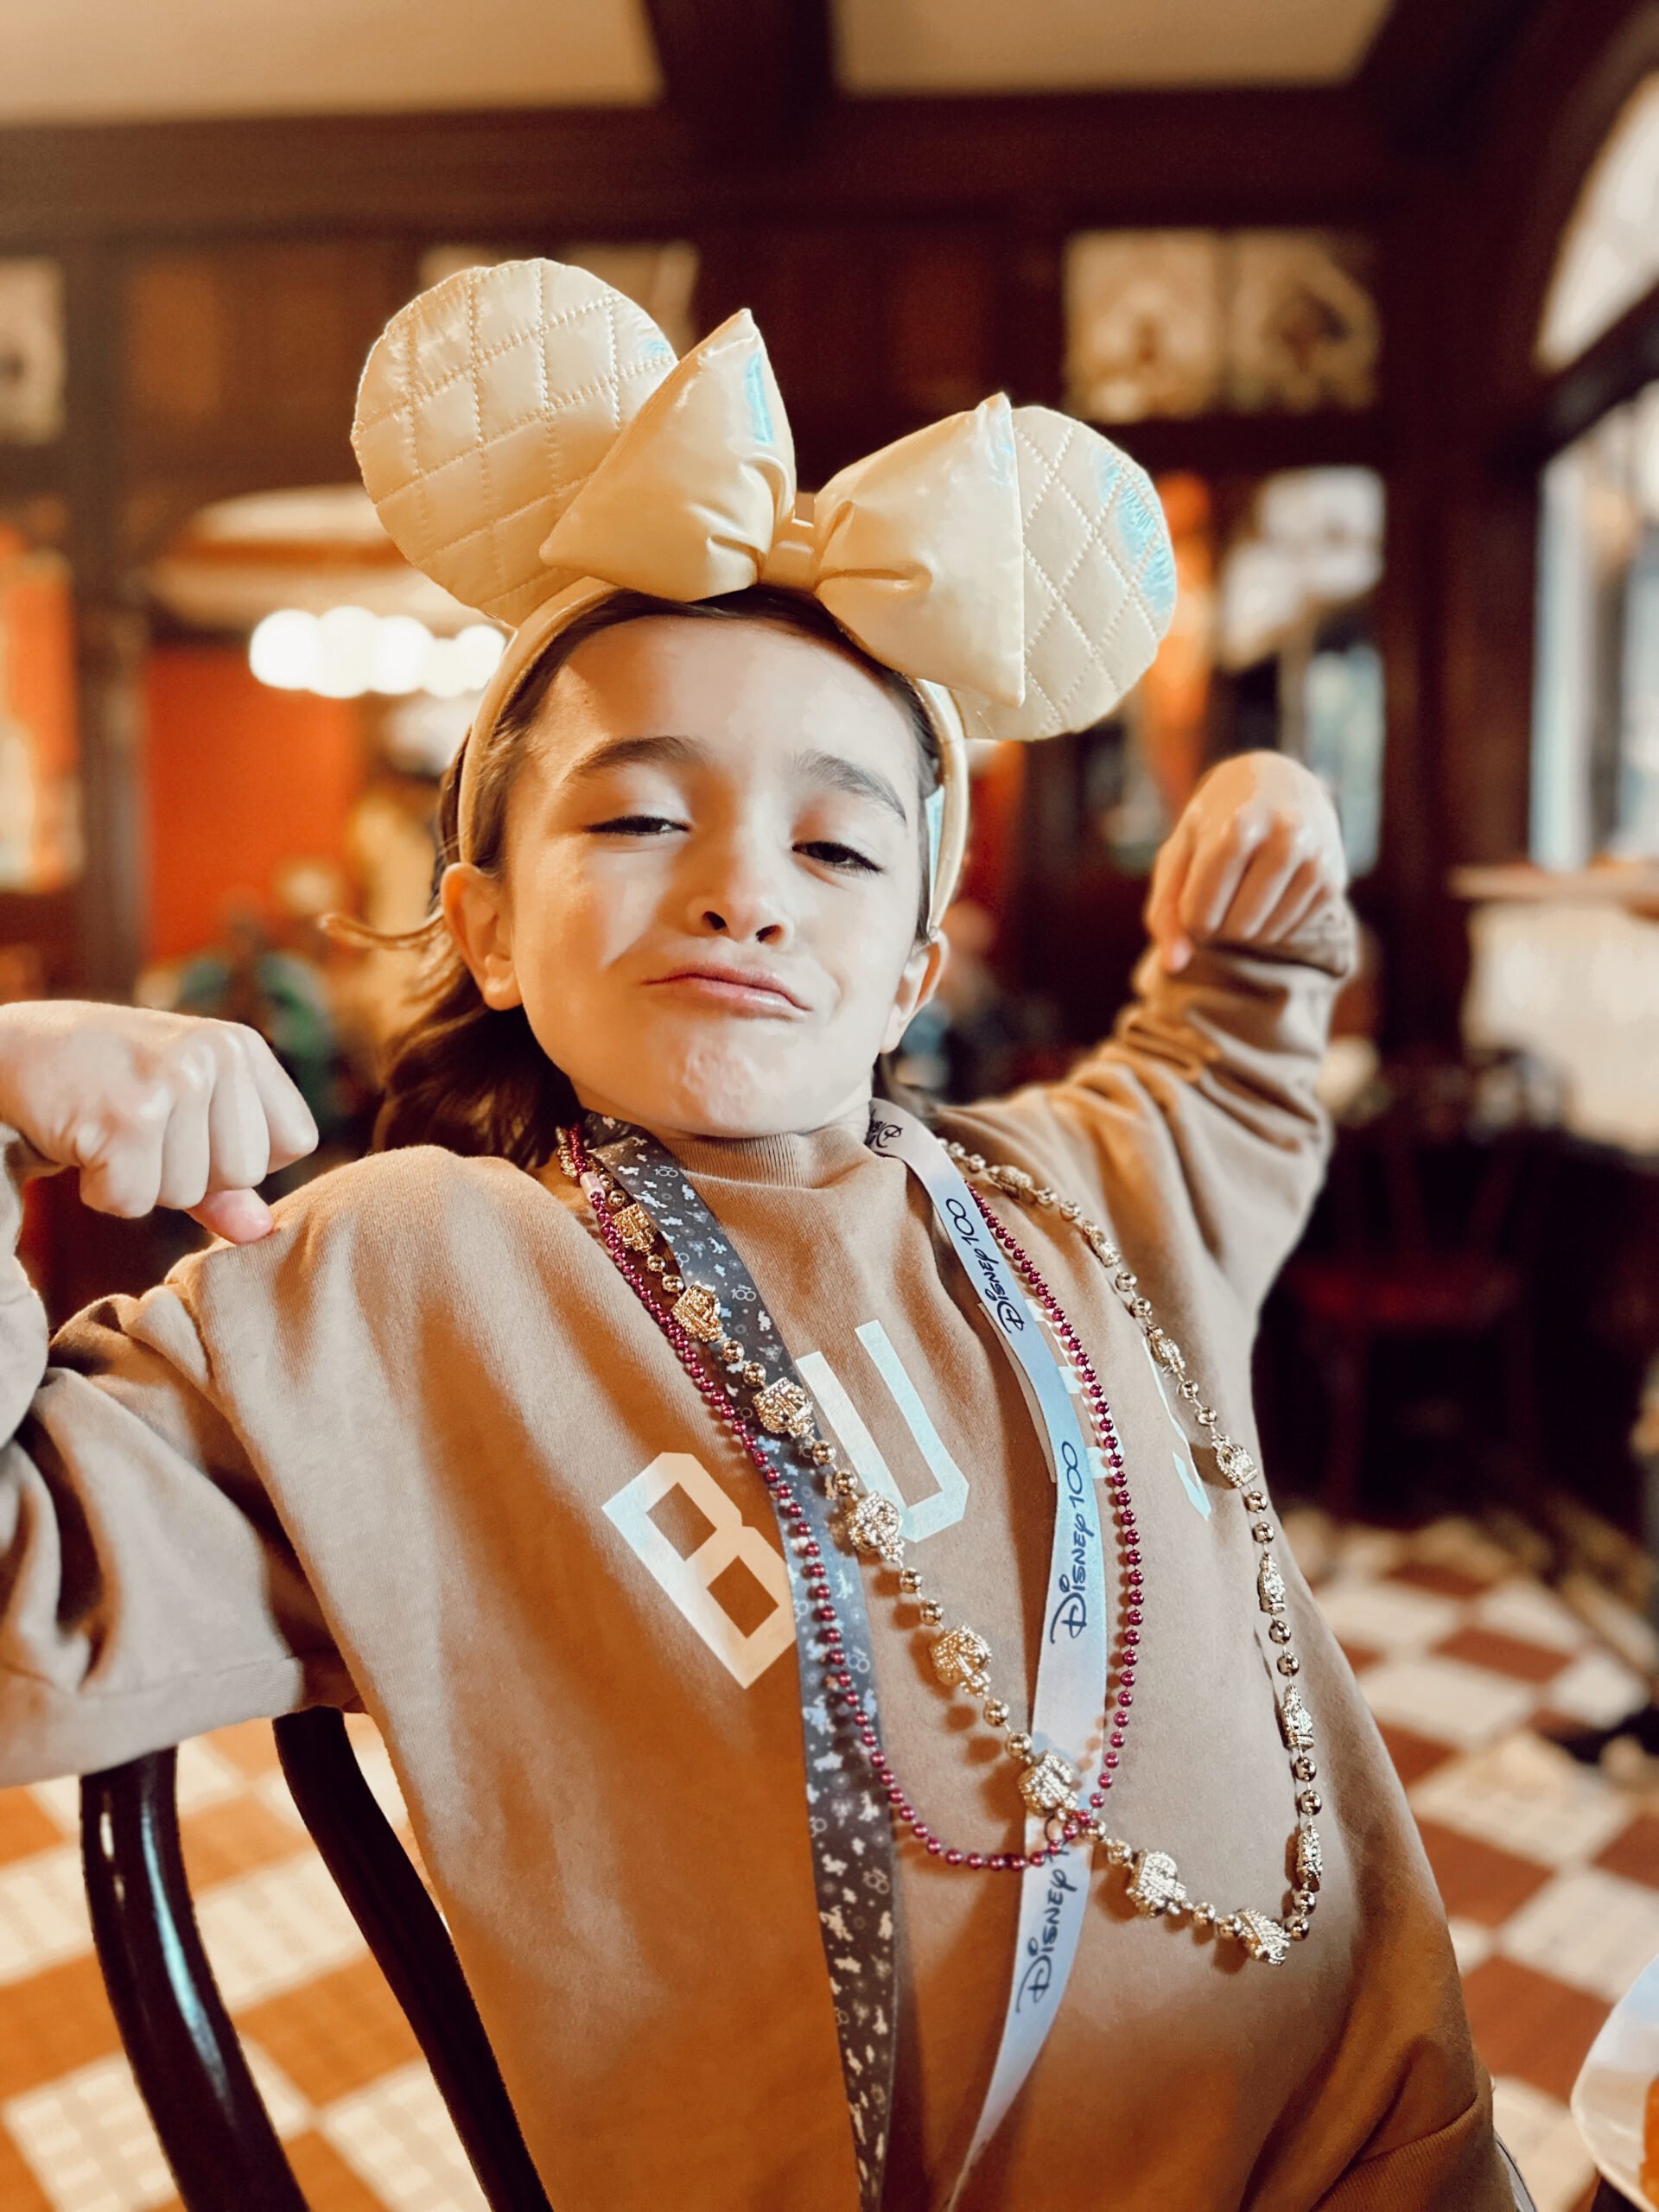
<point>109,630</point>
<point>1575,67</point>
<point>1255,445</point>
<point>1620,363</point>
<point>745,74</point>
<point>1430,58</point>
<point>27,471</point>
<point>1257,155</point>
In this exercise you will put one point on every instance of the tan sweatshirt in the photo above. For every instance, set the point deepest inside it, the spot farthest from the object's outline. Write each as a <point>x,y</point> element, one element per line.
<point>420,1447</point>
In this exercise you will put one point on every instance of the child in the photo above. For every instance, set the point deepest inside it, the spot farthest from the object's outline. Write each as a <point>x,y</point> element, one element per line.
<point>663,1391</point>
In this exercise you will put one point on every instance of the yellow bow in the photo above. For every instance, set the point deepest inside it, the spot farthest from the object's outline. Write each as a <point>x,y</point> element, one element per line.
<point>917,551</point>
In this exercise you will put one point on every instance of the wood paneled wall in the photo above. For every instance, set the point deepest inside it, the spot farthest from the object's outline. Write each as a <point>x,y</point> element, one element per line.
<point>903,258</point>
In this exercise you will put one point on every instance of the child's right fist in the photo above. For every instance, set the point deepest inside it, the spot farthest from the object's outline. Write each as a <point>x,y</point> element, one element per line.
<point>153,1109</point>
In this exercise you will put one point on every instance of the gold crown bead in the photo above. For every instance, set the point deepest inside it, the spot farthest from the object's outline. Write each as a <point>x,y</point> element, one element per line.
<point>1020,1744</point>
<point>1236,1464</point>
<point>959,1656</point>
<point>656,1263</point>
<point>635,1227</point>
<point>673,1285</point>
<point>697,1311</point>
<point>932,1612</point>
<point>1155,1888</point>
<point>1049,1784</point>
<point>874,1524</point>
<point>783,1407</point>
<point>910,1582</point>
<point>996,1712</point>
<point>1264,1938</point>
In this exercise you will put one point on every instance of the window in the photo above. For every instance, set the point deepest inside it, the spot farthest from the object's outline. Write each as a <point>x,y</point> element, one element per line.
<point>1595,784</point>
<point>1609,255</point>
<point>1274,645</point>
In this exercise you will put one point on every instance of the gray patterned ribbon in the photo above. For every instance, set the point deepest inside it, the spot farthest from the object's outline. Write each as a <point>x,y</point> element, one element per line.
<point>847,1811</point>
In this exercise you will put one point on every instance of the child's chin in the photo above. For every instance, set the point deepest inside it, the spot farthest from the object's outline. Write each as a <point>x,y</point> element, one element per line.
<point>741,1106</point>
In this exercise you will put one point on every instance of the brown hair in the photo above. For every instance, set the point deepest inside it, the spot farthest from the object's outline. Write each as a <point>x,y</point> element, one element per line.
<point>471,1077</point>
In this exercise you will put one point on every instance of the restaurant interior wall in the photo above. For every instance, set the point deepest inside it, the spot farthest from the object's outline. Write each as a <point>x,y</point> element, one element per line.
<point>902,255</point>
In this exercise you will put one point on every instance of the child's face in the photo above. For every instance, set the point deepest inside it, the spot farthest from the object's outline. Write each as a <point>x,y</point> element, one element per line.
<point>711,879</point>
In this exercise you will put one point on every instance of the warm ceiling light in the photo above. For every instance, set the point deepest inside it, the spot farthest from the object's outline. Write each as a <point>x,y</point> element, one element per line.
<point>481,648</point>
<point>348,636</point>
<point>401,646</point>
<point>350,650</point>
<point>285,651</point>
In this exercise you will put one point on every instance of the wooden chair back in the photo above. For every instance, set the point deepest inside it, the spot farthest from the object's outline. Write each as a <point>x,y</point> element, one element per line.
<point>189,2065</point>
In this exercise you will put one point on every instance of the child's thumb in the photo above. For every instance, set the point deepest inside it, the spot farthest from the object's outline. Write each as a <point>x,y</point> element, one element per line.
<point>239,1216</point>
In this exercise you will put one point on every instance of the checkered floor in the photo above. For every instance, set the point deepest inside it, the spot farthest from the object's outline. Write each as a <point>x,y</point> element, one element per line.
<point>1550,1874</point>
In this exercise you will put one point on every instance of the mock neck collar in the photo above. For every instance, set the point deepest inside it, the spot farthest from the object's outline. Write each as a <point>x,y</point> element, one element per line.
<point>802,1159</point>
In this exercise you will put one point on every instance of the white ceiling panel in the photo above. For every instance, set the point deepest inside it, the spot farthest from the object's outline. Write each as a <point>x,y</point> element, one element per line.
<point>108,60</point>
<point>993,45</point>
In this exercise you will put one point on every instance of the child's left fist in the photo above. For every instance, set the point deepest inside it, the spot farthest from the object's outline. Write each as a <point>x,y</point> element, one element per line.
<point>1256,853</point>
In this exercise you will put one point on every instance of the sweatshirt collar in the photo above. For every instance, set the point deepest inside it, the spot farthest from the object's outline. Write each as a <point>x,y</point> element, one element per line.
<point>805,1160</point>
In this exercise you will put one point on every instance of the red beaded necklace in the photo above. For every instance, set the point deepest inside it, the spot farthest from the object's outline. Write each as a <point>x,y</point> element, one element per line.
<point>1063,1829</point>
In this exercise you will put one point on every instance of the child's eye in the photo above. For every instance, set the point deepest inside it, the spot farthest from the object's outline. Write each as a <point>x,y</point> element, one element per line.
<point>835,855</point>
<point>632,825</point>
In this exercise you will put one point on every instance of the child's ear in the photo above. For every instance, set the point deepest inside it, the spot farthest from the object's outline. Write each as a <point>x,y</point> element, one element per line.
<point>917,985</point>
<point>474,906</point>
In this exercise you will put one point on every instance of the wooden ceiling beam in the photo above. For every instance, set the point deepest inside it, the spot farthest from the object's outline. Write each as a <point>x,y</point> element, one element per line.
<point>1430,60</point>
<point>1243,156</point>
<point>746,75</point>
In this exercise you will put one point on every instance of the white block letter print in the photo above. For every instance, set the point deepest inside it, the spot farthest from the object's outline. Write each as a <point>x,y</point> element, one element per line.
<point>687,1581</point>
<point>929,1515</point>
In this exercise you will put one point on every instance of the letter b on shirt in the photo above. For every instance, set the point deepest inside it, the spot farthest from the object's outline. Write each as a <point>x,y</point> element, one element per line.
<point>687,1580</point>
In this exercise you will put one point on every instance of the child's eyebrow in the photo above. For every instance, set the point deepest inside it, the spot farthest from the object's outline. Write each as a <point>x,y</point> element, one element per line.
<point>633,752</point>
<point>657,747</point>
<point>844,775</point>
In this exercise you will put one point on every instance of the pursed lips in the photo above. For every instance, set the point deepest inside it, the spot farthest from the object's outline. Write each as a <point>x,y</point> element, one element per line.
<point>738,988</point>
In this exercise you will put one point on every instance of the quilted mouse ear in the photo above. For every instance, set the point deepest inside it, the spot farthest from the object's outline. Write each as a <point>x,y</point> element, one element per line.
<point>1099,578</point>
<point>484,406</point>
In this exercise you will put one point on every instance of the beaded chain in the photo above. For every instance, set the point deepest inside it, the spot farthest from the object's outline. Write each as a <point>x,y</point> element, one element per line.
<point>692,1321</point>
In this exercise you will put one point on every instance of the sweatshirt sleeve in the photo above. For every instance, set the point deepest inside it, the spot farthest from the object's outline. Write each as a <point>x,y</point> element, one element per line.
<point>1202,1108</point>
<point>146,1591</point>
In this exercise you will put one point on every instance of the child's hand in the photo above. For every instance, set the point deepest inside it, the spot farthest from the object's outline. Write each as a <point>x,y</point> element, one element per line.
<point>153,1109</point>
<point>1257,851</point>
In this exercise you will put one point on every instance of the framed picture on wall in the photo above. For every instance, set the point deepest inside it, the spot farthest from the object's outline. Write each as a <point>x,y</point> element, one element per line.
<point>31,351</point>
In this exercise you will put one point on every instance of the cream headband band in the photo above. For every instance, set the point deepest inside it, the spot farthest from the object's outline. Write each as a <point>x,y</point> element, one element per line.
<point>532,444</point>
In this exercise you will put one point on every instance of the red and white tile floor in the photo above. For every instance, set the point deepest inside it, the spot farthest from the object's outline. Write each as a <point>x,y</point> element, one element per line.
<point>1550,1873</point>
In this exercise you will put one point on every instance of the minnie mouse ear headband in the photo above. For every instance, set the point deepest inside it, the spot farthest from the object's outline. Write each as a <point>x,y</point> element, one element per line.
<point>531,443</point>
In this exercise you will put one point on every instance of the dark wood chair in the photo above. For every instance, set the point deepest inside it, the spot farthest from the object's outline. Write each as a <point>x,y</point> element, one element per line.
<point>190,2069</point>
<point>1425,1235</point>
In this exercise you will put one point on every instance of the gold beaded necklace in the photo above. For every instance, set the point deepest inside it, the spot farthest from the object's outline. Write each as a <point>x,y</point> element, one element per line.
<point>691,1314</point>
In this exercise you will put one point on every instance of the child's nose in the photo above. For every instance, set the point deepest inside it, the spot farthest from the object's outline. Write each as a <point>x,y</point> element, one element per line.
<point>739,896</point>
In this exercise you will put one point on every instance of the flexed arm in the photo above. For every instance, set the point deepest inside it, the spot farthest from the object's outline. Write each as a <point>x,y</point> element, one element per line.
<point>1200,1112</point>
<point>146,1590</point>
